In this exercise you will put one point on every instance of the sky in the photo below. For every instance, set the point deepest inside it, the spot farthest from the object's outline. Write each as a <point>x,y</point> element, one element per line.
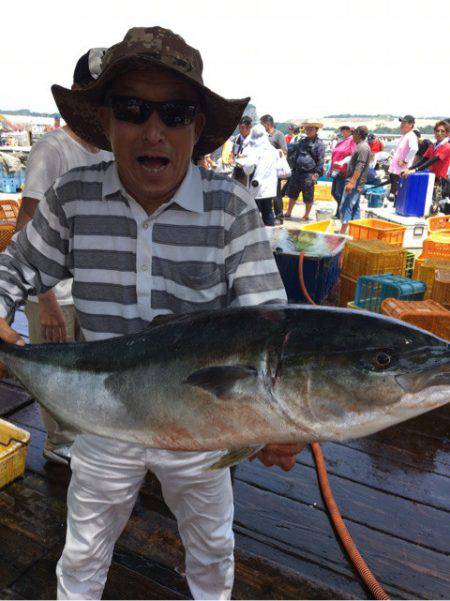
<point>296,59</point>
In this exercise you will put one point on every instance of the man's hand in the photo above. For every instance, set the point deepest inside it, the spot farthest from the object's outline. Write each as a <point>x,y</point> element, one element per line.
<point>53,324</point>
<point>315,177</point>
<point>282,455</point>
<point>349,186</point>
<point>9,335</point>
<point>407,172</point>
<point>402,163</point>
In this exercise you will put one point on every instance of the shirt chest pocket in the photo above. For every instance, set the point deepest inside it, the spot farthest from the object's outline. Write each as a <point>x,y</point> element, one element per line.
<point>195,282</point>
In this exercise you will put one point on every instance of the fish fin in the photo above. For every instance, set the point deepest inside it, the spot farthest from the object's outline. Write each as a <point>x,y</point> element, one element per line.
<point>161,319</point>
<point>234,457</point>
<point>220,379</point>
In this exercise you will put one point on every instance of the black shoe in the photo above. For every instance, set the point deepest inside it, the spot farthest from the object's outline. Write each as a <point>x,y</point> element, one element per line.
<point>279,220</point>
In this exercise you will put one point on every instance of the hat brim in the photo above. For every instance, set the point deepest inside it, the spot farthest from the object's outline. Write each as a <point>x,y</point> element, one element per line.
<point>79,108</point>
<point>313,124</point>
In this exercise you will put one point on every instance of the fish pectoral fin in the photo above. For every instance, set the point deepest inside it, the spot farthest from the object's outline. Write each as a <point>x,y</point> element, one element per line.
<point>234,457</point>
<point>220,379</point>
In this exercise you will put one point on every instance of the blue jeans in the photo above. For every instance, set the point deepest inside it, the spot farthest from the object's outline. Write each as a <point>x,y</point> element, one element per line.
<point>337,188</point>
<point>349,207</point>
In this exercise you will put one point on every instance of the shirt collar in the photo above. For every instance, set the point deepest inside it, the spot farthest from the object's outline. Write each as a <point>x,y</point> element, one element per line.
<point>189,195</point>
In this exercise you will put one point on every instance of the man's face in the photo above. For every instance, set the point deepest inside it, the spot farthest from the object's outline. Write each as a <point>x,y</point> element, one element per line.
<point>152,158</point>
<point>266,126</point>
<point>406,127</point>
<point>346,133</point>
<point>310,131</point>
<point>244,129</point>
<point>440,133</point>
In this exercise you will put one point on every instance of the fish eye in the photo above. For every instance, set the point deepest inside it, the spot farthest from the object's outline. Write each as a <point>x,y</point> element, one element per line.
<point>382,359</point>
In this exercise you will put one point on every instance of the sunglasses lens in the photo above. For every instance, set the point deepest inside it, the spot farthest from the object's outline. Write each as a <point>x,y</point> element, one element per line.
<point>177,113</point>
<point>129,109</point>
<point>136,110</point>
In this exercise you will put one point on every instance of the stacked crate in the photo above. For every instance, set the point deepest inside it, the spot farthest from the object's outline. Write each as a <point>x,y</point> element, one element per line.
<point>425,269</point>
<point>371,290</point>
<point>368,257</point>
<point>441,287</point>
<point>426,314</point>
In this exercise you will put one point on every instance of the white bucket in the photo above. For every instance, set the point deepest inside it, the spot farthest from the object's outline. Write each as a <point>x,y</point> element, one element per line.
<point>322,214</point>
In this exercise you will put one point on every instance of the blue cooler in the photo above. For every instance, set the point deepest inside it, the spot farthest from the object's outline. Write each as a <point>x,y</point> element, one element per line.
<point>414,194</point>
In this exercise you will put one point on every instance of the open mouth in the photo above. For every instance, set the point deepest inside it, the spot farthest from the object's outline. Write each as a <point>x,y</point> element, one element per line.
<point>153,164</point>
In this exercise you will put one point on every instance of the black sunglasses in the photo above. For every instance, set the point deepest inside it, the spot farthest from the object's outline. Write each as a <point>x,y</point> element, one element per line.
<point>137,111</point>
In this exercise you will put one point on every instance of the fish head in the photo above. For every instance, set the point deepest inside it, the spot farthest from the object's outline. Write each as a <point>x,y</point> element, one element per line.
<point>349,378</point>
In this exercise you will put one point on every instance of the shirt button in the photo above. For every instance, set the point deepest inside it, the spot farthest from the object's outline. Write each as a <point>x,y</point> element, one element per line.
<point>144,268</point>
<point>145,225</point>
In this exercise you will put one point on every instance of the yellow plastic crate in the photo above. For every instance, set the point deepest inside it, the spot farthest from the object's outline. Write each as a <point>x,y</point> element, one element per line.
<point>13,452</point>
<point>372,257</point>
<point>377,229</point>
<point>6,233</point>
<point>425,272</point>
<point>436,246</point>
<point>319,226</point>
<point>441,287</point>
<point>322,191</point>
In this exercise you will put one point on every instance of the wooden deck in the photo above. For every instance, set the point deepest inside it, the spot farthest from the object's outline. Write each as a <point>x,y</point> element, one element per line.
<point>393,490</point>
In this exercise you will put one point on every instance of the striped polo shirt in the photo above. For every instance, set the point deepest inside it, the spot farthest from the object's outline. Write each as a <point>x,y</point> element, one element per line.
<point>204,249</point>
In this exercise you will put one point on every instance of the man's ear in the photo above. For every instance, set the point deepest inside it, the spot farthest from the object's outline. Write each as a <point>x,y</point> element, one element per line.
<point>104,116</point>
<point>200,121</point>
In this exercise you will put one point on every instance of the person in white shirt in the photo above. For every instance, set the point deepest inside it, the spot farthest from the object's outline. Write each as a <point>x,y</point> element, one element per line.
<point>51,316</point>
<point>259,160</point>
<point>404,154</point>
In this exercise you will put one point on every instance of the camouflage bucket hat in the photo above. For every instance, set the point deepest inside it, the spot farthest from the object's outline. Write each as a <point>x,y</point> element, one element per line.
<point>143,47</point>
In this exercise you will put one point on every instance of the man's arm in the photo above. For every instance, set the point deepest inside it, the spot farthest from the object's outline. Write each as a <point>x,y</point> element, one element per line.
<point>51,317</point>
<point>320,166</point>
<point>37,257</point>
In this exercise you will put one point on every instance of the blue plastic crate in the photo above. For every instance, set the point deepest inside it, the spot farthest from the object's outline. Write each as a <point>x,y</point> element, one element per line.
<point>372,290</point>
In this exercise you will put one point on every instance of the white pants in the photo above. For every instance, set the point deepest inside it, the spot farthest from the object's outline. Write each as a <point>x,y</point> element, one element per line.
<point>106,477</point>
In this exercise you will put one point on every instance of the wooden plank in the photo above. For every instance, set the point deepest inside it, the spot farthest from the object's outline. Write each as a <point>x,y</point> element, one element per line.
<point>39,581</point>
<point>8,593</point>
<point>34,514</point>
<point>29,416</point>
<point>395,478</point>
<point>12,399</point>
<point>405,569</point>
<point>416,523</point>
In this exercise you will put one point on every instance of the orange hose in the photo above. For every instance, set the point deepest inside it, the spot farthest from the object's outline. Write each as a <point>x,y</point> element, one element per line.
<point>358,562</point>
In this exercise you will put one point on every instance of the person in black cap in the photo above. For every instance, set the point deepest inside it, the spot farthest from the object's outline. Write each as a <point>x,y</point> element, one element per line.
<point>405,152</point>
<point>51,316</point>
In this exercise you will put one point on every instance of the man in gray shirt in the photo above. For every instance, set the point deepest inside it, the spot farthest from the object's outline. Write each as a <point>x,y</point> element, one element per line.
<point>278,141</point>
<point>356,178</point>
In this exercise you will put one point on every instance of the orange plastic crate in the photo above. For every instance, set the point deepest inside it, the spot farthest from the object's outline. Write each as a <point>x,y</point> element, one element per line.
<point>377,229</point>
<point>441,287</point>
<point>425,269</point>
<point>9,209</point>
<point>372,257</point>
<point>428,315</point>
<point>436,247</point>
<point>347,290</point>
<point>439,222</point>
<point>6,233</point>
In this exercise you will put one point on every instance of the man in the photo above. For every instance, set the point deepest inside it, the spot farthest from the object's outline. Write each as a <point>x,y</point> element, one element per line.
<point>404,154</point>
<point>308,166</point>
<point>51,315</point>
<point>356,178</point>
<point>245,128</point>
<point>278,141</point>
<point>340,157</point>
<point>149,234</point>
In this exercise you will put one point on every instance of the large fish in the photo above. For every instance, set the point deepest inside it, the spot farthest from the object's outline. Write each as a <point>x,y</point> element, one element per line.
<point>241,378</point>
